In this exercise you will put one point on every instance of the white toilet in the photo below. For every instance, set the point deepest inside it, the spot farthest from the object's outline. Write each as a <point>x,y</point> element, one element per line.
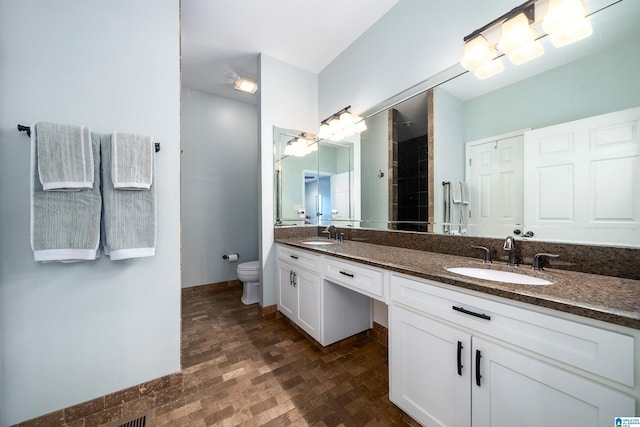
<point>249,275</point>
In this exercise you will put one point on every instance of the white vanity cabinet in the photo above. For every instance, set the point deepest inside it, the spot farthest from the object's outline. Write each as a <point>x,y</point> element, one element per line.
<point>326,310</point>
<point>299,286</point>
<point>459,360</point>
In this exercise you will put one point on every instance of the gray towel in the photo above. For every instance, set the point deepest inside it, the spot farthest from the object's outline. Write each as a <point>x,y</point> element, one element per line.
<point>65,161</point>
<point>129,217</point>
<point>131,161</point>
<point>464,192</point>
<point>65,226</point>
<point>456,192</point>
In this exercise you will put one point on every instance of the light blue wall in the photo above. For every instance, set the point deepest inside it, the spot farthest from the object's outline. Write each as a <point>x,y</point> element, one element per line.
<point>415,40</point>
<point>594,85</point>
<point>73,332</point>
<point>289,100</point>
<point>219,186</point>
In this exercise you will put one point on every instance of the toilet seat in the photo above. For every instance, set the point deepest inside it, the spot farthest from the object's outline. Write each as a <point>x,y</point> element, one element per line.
<point>249,267</point>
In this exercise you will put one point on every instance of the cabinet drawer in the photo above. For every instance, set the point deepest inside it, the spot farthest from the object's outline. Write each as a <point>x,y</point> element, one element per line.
<point>299,258</point>
<point>366,280</point>
<point>602,352</point>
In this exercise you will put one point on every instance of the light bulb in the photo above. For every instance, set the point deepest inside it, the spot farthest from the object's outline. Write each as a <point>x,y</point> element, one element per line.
<point>346,119</point>
<point>516,33</point>
<point>573,32</point>
<point>477,52</point>
<point>489,69</point>
<point>324,131</point>
<point>289,150</point>
<point>561,13</point>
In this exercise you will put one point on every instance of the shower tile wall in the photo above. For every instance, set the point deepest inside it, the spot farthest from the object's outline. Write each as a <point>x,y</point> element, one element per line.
<point>412,183</point>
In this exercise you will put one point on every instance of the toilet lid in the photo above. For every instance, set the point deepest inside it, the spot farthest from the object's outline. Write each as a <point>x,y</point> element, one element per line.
<point>249,266</point>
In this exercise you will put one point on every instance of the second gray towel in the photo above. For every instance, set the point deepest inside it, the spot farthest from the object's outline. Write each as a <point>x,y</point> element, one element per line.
<point>131,161</point>
<point>129,217</point>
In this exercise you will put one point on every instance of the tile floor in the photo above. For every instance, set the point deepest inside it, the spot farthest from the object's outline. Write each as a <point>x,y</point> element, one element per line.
<point>239,369</point>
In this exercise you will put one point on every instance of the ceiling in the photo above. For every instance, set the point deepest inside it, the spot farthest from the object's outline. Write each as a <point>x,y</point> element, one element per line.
<point>222,39</point>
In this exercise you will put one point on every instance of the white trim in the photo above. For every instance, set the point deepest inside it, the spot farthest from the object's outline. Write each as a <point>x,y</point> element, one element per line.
<point>64,254</point>
<point>67,186</point>
<point>131,186</point>
<point>131,253</point>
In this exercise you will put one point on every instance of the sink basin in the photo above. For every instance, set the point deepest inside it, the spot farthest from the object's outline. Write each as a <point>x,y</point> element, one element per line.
<point>499,276</point>
<point>319,242</point>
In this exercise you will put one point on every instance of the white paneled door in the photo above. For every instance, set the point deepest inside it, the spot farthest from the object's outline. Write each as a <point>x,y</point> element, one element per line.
<point>494,173</point>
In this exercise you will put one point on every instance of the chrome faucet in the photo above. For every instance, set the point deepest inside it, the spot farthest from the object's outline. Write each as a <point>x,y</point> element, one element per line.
<point>486,258</point>
<point>328,230</point>
<point>510,245</point>
<point>538,260</point>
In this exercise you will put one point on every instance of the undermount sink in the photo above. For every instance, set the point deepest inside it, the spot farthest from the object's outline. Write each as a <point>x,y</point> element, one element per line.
<point>499,276</point>
<point>319,242</point>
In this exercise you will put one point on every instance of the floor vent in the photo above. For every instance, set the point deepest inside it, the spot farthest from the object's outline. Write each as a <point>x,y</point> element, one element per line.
<point>137,422</point>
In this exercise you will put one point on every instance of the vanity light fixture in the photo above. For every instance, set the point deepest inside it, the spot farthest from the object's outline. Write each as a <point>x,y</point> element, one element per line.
<point>515,35</point>
<point>301,146</point>
<point>341,125</point>
<point>245,85</point>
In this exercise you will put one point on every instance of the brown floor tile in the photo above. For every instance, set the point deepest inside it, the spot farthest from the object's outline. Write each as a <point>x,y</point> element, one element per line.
<point>240,368</point>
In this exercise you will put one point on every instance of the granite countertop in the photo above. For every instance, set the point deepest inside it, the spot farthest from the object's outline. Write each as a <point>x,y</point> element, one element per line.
<point>610,299</point>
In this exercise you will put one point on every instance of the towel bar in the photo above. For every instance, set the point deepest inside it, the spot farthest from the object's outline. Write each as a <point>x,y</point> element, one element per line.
<point>27,129</point>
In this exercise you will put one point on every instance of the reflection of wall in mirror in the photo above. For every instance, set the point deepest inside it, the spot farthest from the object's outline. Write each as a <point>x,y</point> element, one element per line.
<point>292,180</point>
<point>340,185</point>
<point>448,141</point>
<point>598,84</point>
<point>375,157</point>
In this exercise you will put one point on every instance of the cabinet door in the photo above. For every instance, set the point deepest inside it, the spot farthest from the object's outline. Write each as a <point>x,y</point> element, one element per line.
<point>307,286</point>
<point>424,379</point>
<point>287,294</point>
<point>517,390</point>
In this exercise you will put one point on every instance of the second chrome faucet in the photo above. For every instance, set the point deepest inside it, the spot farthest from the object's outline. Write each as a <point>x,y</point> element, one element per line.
<point>512,260</point>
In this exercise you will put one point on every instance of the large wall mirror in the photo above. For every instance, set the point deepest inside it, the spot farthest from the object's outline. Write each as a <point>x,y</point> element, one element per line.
<point>407,162</point>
